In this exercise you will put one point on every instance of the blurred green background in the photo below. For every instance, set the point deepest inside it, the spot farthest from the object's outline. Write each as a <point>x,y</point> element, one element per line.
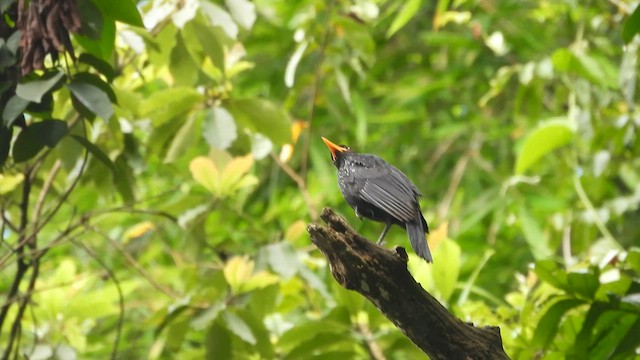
<point>155,194</point>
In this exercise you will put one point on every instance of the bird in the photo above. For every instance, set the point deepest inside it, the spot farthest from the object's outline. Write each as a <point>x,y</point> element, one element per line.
<point>378,191</point>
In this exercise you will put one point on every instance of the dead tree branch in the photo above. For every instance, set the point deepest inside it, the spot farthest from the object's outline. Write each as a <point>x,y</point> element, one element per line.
<point>381,276</point>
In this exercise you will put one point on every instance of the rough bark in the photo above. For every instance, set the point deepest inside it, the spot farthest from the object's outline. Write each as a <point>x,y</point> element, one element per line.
<point>381,276</point>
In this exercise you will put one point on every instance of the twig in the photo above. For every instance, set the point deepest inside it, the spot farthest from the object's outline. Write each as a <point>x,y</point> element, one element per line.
<point>301,185</point>
<point>133,263</point>
<point>458,172</point>
<point>314,94</point>
<point>45,190</point>
<point>592,211</point>
<point>112,275</point>
<point>22,266</point>
<point>373,347</point>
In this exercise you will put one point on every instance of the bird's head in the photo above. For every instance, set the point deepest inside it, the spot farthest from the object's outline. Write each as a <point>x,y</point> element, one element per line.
<point>337,151</point>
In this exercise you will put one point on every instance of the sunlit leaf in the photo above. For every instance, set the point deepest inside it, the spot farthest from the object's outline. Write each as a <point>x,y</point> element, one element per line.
<point>408,11</point>
<point>219,17</point>
<point>166,104</point>
<point>235,170</point>
<point>243,12</point>
<point>219,127</point>
<point>237,271</point>
<point>205,172</point>
<point>262,116</point>
<point>446,268</point>
<point>8,183</point>
<point>545,138</point>
<point>549,271</point>
<point>292,64</point>
<point>182,140</point>
<point>538,242</point>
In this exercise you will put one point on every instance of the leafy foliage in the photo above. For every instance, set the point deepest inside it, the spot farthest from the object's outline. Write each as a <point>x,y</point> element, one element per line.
<point>155,192</point>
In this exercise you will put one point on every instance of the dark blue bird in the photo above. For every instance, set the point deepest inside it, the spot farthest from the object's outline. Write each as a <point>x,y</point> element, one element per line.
<point>376,190</point>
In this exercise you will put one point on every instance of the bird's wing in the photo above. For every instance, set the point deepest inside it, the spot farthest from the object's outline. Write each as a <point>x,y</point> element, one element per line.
<point>393,193</point>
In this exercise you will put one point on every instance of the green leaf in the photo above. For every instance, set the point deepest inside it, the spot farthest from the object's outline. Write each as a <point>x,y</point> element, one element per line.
<point>633,259</point>
<point>217,343</point>
<point>586,66</point>
<point>206,173</point>
<point>282,258</point>
<point>445,271</point>
<point>96,152</point>
<point>243,12</point>
<point>611,335</point>
<point>182,140</point>
<point>584,284</point>
<point>630,342</point>
<point>538,242</point>
<point>36,136</point>
<point>550,272</point>
<point>181,64</point>
<point>96,81</point>
<point>6,134</point>
<point>124,179</point>
<point>8,183</point>
<point>91,18</point>
<point>103,46</point>
<point>547,327</point>
<point>631,26</point>
<point>238,327</point>
<point>92,97</point>
<point>219,17</point>
<point>166,104</point>
<point>262,116</point>
<point>583,339</point>
<point>35,89</point>
<point>14,108</point>
<point>124,11</point>
<point>409,9</point>
<point>98,64</point>
<point>219,128</point>
<point>547,137</point>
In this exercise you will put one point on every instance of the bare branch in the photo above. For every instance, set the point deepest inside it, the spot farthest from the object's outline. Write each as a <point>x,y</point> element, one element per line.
<point>381,276</point>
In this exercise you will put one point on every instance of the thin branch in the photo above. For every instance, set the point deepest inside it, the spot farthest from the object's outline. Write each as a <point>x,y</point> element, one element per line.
<point>594,213</point>
<point>301,185</point>
<point>112,275</point>
<point>45,190</point>
<point>373,348</point>
<point>133,263</point>
<point>19,251</point>
<point>317,75</point>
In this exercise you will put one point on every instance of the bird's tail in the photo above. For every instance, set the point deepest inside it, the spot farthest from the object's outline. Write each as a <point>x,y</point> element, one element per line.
<point>416,231</point>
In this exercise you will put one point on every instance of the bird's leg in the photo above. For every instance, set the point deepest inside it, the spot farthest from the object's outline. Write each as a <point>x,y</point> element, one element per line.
<point>387,226</point>
<point>358,214</point>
